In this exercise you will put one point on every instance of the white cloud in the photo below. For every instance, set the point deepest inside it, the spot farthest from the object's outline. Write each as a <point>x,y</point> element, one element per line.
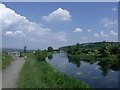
<point>17,26</point>
<point>114,9</point>
<point>89,30</point>
<point>9,33</point>
<point>96,34</point>
<point>78,30</point>
<point>61,36</point>
<point>59,15</point>
<point>113,33</point>
<point>101,34</point>
<point>108,23</point>
<point>15,33</point>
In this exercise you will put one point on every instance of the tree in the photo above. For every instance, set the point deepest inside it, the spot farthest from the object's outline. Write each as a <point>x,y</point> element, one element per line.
<point>25,49</point>
<point>40,55</point>
<point>115,49</point>
<point>74,50</point>
<point>105,50</point>
<point>50,49</point>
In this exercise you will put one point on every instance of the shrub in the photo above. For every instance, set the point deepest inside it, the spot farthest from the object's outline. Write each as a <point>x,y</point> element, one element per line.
<point>40,55</point>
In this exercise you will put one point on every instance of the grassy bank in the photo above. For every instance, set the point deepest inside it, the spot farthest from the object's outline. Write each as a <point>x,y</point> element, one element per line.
<point>0,60</point>
<point>39,74</point>
<point>6,60</point>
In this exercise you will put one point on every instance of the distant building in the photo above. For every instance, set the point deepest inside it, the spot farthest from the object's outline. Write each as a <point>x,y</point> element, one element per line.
<point>14,53</point>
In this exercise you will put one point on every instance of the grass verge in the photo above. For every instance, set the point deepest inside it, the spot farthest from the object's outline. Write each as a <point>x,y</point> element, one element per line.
<point>6,60</point>
<point>40,74</point>
<point>0,60</point>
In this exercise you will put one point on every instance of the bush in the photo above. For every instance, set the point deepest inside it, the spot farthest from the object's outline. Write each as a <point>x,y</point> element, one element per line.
<point>50,49</point>
<point>40,55</point>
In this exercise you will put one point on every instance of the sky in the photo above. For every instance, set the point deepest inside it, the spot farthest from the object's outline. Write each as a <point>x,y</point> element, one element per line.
<point>39,25</point>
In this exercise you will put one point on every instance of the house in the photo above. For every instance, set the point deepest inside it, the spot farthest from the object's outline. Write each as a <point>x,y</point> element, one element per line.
<point>14,53</point>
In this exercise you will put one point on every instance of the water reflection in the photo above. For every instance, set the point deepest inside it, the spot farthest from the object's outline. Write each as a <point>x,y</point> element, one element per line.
<point>89,71</point>
<point>105,64</point>
<point>75,60</point>
<point>50,57</point>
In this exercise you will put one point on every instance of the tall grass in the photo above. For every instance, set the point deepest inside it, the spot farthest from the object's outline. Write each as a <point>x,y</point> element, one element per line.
<point>39,74</point>
<point>6,60</point>
<point>0,60</point>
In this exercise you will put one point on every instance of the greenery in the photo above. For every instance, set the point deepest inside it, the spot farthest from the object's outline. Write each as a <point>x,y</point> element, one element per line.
<point>50,49</point>
<point>100,49</point>
<point>106,55</point>
<point>40,74</point>
<point>0,60</point>
<point>6,60</point>
<point>40,55</point>
<point>49,55</point>
<point>37,73</point>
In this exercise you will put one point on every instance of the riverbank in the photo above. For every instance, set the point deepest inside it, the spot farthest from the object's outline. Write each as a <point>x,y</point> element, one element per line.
<point>6,60</point>
<point>0,60</point>
<point>39,74</point>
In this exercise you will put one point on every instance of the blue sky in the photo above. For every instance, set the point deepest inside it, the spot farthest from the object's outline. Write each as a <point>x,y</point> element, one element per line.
<point>58,24</point>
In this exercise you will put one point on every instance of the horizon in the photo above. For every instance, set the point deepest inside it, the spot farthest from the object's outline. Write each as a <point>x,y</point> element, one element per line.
<point>59,47</point>
<point>59,24</point>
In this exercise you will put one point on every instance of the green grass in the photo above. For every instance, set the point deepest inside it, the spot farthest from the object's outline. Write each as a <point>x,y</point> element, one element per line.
<point>40,74</point>
<point>0,60</point>
<point>6,60</point>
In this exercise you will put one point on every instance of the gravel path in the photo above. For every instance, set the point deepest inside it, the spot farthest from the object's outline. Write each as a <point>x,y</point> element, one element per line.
<point>11,73</point>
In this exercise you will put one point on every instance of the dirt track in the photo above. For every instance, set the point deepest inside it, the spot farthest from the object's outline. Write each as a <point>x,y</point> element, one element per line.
<point>11,73</point>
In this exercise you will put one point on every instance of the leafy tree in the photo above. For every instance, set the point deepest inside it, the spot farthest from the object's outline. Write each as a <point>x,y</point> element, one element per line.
<point>25,49</point>
<point>75,49</point>
<point>50,49</point>
<point>115,49</point>
<point>105,50</point>
<point>40,55</point>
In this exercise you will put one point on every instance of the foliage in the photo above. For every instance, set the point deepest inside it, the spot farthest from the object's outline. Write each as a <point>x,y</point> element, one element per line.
<point>75,49</point>
<point>6,60</point>
<point>107,55</point>
<point>50,49</point>
<point>0,60</point>
<point>115,49</point>
<point>105,50</point>
<point>49,55</point>
<point>40,55</point>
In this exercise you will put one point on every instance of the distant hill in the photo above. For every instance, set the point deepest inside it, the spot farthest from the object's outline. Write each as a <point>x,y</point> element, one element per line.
<point>97,44</point>
<point>91,45</point>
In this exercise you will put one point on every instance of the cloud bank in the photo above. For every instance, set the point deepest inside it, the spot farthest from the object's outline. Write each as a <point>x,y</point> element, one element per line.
<point>58,15</point>
<point>17,27</point>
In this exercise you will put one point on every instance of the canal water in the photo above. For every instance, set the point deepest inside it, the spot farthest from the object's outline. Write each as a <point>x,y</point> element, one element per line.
<point>91,73</point>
